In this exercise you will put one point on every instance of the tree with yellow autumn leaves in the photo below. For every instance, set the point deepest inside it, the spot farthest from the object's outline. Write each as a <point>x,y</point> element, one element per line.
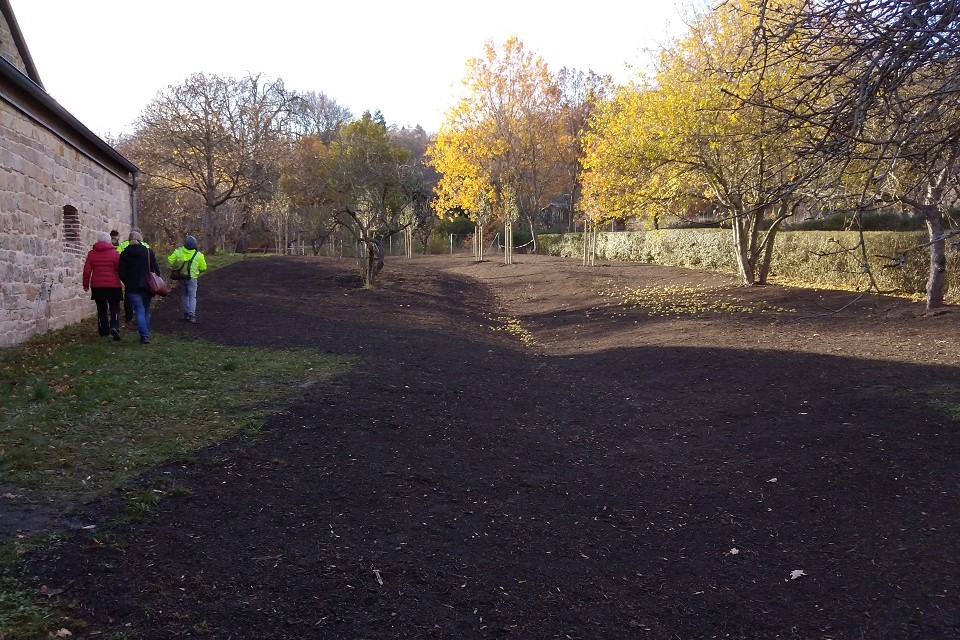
<point>687,135</point>
<point>504,137</point>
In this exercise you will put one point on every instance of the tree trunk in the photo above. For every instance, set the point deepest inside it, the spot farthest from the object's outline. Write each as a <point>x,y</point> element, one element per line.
<point>741,240</point>
<point>783,212</point>
<point>368,277</point>
<point>532,222</point>
<point>767,257</point>
<point>938,257</point>
<point>208,213</point>
<point>936,283</point>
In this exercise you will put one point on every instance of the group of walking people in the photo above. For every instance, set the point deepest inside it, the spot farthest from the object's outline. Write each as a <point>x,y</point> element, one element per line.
<point>115,271</point>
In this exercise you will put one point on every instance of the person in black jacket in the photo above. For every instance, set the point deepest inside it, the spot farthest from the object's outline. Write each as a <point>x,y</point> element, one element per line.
<point>136,260</point>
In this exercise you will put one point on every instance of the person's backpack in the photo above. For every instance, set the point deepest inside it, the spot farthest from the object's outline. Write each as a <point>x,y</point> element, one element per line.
<point>183,271</point>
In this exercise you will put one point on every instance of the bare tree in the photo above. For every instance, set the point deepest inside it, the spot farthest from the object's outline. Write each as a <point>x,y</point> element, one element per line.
<point>881,97</point>
<point>217,137</point>
<point>317,114</point>
<point>418,180</point>
<point>580,93</point>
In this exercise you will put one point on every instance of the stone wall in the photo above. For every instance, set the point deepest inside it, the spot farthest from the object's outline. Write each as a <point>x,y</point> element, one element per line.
<point>8,48</point>
<point>42,251</point>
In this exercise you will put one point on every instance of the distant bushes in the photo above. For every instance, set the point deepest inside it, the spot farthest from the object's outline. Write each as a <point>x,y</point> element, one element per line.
<point>802,258</point>
<point>462,231</point>
<point>708,249</point>
<point>460,226</point>
<point>888,220</point>
<point>878,221</point>
<point>522,237</point>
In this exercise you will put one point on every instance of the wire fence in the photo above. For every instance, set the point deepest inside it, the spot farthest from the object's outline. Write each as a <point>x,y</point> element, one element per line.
<point>346,246</point>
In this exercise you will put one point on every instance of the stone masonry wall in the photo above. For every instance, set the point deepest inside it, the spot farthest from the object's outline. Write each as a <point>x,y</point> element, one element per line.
<point>42,251</point>
<point>8,49</point>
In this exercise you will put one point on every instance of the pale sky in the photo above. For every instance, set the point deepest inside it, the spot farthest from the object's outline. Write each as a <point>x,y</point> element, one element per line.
<point>105,60</point>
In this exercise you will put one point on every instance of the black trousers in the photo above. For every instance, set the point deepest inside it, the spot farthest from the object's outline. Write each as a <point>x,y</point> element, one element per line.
<point>108,309</point>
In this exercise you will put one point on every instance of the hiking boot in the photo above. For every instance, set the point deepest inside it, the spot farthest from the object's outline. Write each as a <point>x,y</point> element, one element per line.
<point>144,340</point>
<point>192,319</point>
<point>116,334</point>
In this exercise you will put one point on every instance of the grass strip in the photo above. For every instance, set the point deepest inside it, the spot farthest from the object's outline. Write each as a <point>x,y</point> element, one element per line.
<point>81,414</point>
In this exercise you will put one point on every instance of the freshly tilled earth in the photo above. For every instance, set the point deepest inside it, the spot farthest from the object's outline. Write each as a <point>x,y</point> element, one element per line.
<point>541,450</point>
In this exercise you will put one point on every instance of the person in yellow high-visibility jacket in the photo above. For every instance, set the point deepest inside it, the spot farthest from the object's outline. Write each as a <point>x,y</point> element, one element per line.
<point>126,243</point>
<point>186,265</point>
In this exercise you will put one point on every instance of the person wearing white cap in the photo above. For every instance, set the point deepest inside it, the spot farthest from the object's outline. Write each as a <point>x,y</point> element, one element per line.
<point>186,264</point>
<point>100,276</point>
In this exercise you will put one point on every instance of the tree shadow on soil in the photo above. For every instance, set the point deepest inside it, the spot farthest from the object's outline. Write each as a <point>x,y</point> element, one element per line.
<point>459,485</point>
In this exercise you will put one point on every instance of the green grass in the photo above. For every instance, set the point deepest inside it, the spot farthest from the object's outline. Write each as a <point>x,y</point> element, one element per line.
<point>80,416</point>
<point>944,399</point>
<point>23,614</point>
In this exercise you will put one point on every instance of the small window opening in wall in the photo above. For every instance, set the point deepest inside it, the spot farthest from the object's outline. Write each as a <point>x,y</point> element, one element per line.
<point>71,224</point>
<point>71,229</point>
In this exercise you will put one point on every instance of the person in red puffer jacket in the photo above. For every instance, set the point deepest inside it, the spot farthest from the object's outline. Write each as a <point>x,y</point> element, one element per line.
<point>100,275</point>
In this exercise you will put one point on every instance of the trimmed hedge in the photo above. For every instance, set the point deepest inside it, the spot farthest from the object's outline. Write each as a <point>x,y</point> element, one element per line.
<point>800,258</point>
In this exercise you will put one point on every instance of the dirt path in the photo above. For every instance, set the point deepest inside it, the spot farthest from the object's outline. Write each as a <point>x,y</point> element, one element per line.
<point>521,456</point>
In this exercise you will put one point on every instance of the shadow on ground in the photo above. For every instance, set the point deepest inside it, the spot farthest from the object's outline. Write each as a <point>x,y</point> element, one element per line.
<point>462,484</point>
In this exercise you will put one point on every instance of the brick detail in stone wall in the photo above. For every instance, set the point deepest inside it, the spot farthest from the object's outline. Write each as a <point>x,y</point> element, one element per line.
<point>72,232</point>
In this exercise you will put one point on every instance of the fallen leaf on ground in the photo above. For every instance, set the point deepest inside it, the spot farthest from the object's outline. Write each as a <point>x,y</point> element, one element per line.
<point>47,591</point>
<point>796,573</point>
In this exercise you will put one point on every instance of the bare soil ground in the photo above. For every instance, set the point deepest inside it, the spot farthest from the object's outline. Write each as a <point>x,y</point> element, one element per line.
<point>519,455</point>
